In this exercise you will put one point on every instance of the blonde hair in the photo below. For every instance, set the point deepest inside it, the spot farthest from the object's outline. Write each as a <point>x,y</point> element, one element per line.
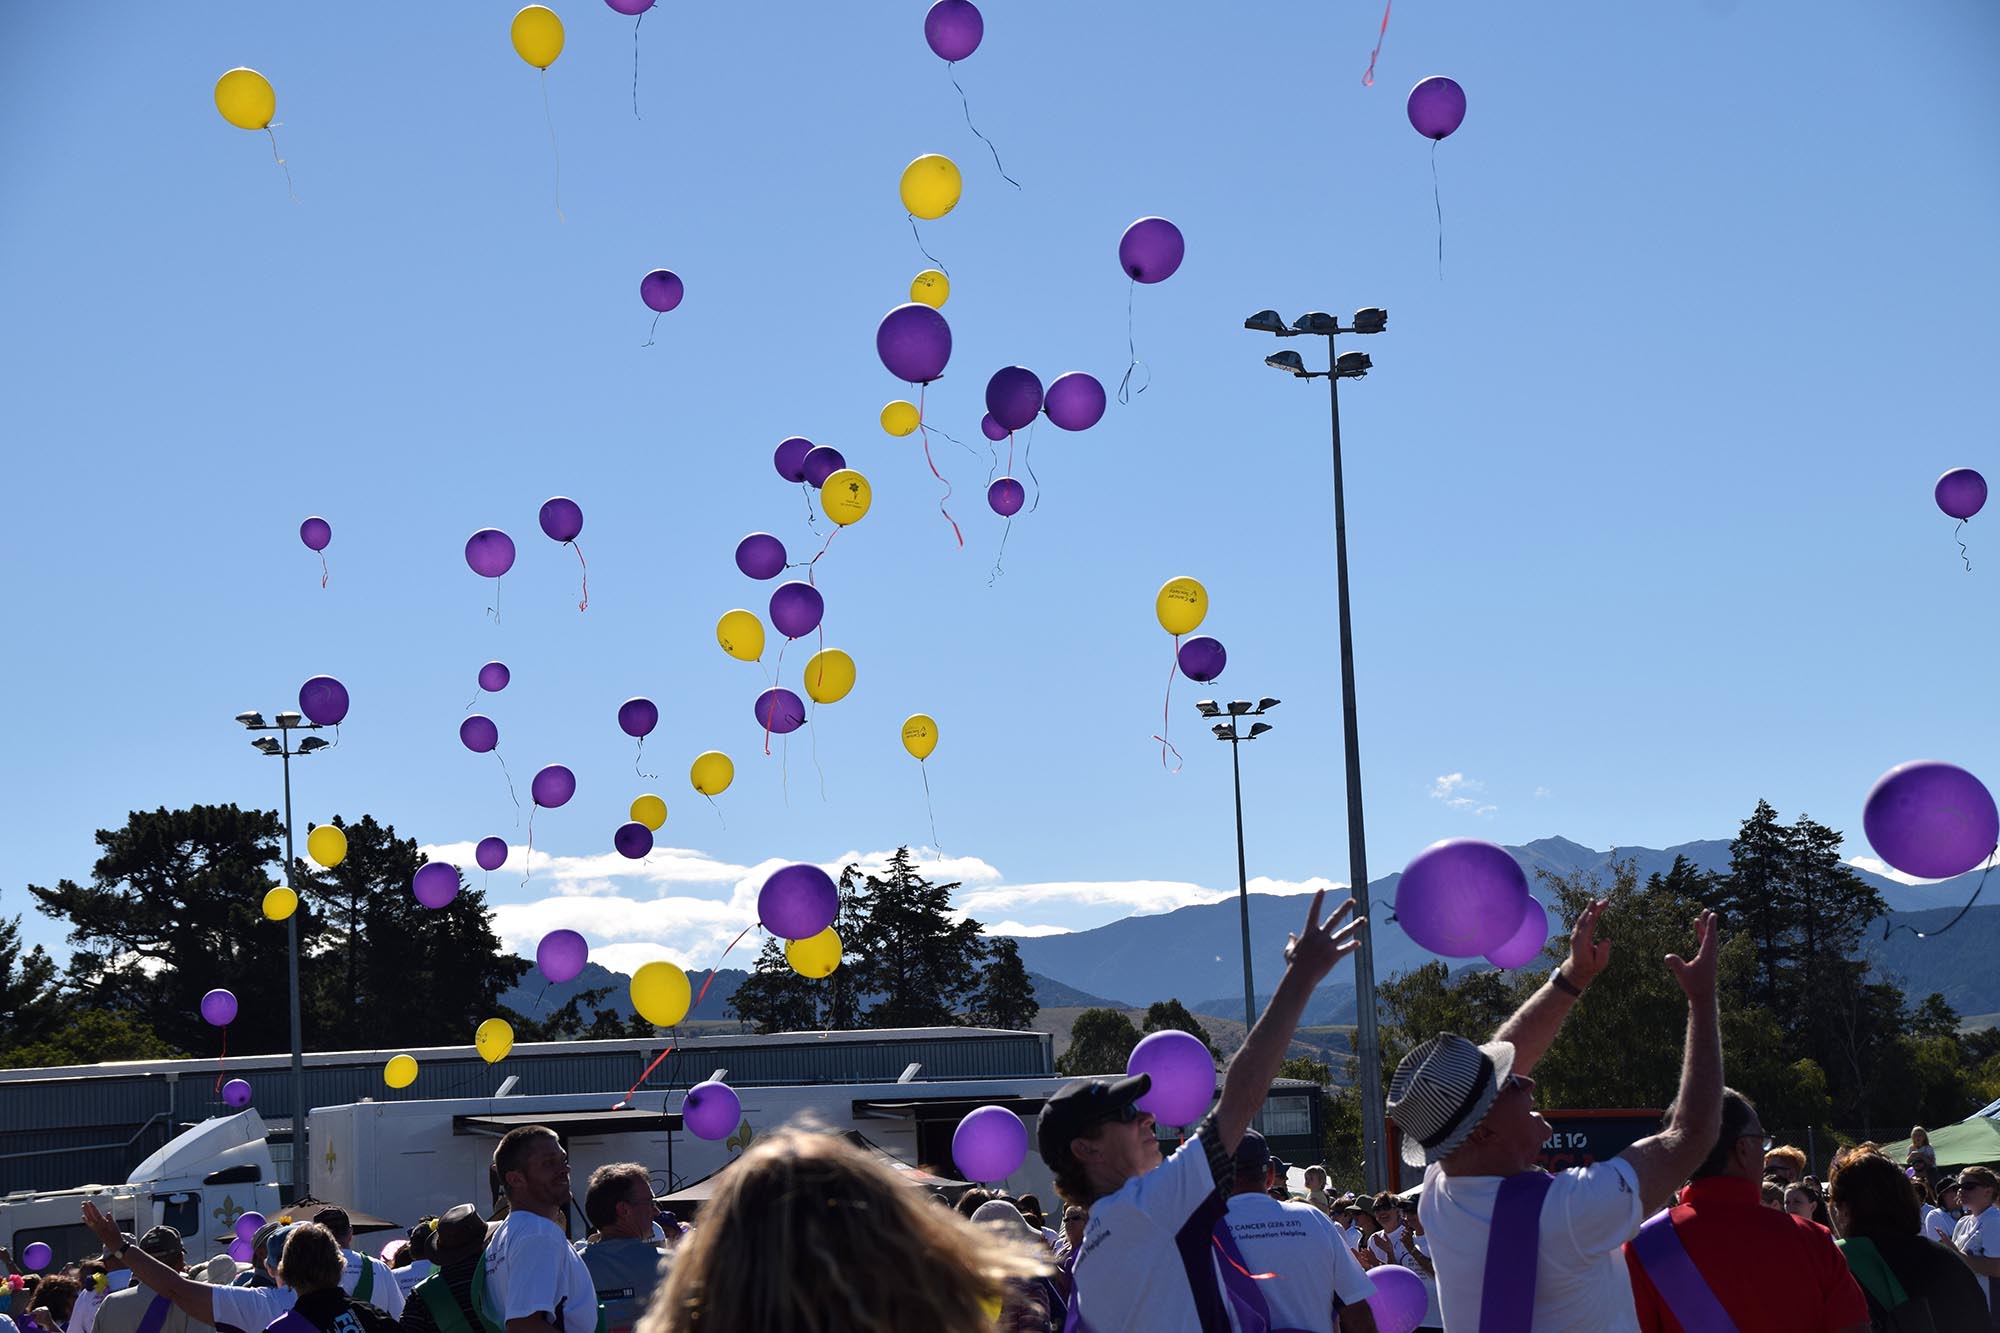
<point>807,1232</point>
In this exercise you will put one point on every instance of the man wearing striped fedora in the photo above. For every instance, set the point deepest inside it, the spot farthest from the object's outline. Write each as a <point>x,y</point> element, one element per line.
<point>1517,1248</point>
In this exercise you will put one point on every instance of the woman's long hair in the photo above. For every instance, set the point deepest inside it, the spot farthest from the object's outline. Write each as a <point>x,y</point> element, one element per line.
<point>809,1234</point>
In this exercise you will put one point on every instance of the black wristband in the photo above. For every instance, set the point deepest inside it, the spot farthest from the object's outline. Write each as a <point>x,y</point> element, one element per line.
<point>1564,984</point>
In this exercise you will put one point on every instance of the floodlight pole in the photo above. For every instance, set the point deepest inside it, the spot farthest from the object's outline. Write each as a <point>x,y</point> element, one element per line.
<point>1235,738</point>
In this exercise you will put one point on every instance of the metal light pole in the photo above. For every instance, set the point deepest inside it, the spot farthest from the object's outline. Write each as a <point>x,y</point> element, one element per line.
<point>1367,1040</point>
<point>286,724</point>
<point>1226,731</point>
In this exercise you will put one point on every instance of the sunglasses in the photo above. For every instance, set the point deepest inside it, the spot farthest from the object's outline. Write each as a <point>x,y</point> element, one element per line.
<point>1124,1115</point>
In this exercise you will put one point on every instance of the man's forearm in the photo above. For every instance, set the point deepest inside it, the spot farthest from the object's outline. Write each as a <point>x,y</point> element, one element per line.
<point>1248,1080</point>
<point>1985,1266</point>
<point>1535,1024</point>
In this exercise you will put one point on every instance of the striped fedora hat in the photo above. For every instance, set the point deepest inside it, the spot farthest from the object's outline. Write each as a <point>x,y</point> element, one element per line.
<point>1442,1090</point>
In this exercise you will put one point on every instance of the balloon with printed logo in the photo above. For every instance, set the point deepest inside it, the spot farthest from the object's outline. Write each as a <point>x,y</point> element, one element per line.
<point>1181,606</point>
<point>790,457</point>
<point>822,463</point>
<point>797,902</point>
<point>218,1008</point>
<point>1183,1074</point>
<point>1013,397</point>
<point>779,711</point>
<point>741,635</point>
<point>435,884</point>
<point>900,418</point>
<point>489,552</point>
<point>711,1110</point>
<point>494,1038</point>
<point>761,556</point>
<point>660,994</point>
<point>1006,496</point>
<point>236,1096</point>
<point>323,700</point>
<point>931,186</point>
<point>1461,898</point>
<point>796,609</point>
<point>279,903</point>
<point>829,675</point>
<point>649,810</point>
<point>1436,107</point>
<point>920,735</point>
<point>1151,250</point>
<point>953,29</point>
<point>1931,819</point>
<point>246,99</point>
<point>553,786</point>
<point>400,1072</point>
<point>816,956</point>
<point>493,677</point>
<point>538,35</point>
<point>846,495</point>
<point>1525,944</point>
<point>560,955</point>
<point>914,342</point>
<point>491,853</point>
<point>711,773</point>
<point>1075,401</point>
<point>931,287</point>
<point>1202,658</point>
<point>479,733</point>
<point>989,1144</point>
<point>327,845</point>
<point>633,841</point>
<point>1399,1299</point>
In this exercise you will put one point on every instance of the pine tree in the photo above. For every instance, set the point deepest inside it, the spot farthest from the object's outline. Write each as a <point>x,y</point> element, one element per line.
<point>1171,1015</point>
<point>32,1006</point>
<point>774,998</point>
<point>921,966</point>
<point>1751,897</point>
<point>1100,1042</point>
<point>1006,997</point>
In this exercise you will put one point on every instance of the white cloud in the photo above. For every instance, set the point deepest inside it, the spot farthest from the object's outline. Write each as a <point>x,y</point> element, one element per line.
<point>1886,871</point>
<point>1139,895</point>
<point>1022,929</point>
<point>1542,793</point>
<point>1451,788</point>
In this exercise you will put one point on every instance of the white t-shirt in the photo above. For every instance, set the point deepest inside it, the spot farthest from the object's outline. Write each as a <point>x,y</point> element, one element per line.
<point>250,1308</point>
<point>386,1295</point>
<point>83,1315</point>
<point>1934,1224</point>
<point>1308,1254</point>
<point>410,1274</point>
<point>1979,1233</point>
<point>1387,1247</point>
<point>1129,1274</point>
<point>1581,1281</point>
<point>531,1269</point>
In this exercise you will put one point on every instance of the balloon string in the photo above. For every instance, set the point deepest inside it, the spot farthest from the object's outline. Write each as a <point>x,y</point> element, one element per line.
<point>924,433</point>
<point>815,560</point>
<point>1260,1277</point>
<point>1368,79</point>
<point>322,569</point>
<point>1963,554</point>
<point>222,1060</point>
<point>974,453</point>
<point>281,165</point>
<point>1028,462</point>
<point>1438,204</point>
<point>1889,930</point>
<point>494,610</point>
<point>528,861</point>
<point>538,997</point>
<point>772,706</point>
<point>1125,389</point>
<point>1166,713</point>
<point>635,68</point>
<point>699,997</point>
<point>928,808</point>
<point>584,603</point>
<point>936,263</point>
<point>510,788</point>
<point>951,67</point>
<point>997,571</point>
<point>812,519</point>
<point>812,733</point>
<point>554,151</point>
<point>718,809</point>
<point>652,330</point>
<point>636,756</point>
<point>629,1092</point>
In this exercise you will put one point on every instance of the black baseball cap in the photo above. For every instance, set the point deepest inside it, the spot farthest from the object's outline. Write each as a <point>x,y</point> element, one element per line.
<point>333,1218</point>
<point>1253,1153</point>
<point>1079,1107</point>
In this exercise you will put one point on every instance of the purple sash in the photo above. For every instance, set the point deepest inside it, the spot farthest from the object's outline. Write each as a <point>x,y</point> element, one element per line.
<point>1673,1274</point>
<point>155,1317</point>
<point>1507,1291</point>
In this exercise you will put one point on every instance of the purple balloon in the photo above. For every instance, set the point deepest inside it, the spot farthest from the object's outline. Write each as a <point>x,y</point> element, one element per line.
<point>562,518</point>
<point>797,902</point>
<point>914,342</point>
<point>1961,493</point>
<point>1183,1074</point>
<point>1006,496</point>
<point>638,717</point>
<point>1075,401</point>
<point>1437,106</point>
<point>491,853</point>
<point>490,552</point>
<point>790,458</point>
<point>822,463</point>
<point>561,955</point>
<point>236,1096</point>
<point>761,556</point>
<point>711,1110</point>
<point>953,29</point>
<point>37,1256</point>
<point>435,884</point>
<point>780,711</point>
<point>493,677</point>
<point>662,289</point>
<point>323,700</point>
<point>246,1223</point>
<point>1399,1299</point>
<point>218,1008</point>
<point>1202,658</point>
<point>553,786</point>
<point>633,840</point>
<point>241,1250</point>
<point>992,429</point>
<point>1151,249</point>
<point>316,532</point>
<point>1461,898</point>
<point>479,733</point>
<point>1014,396</point>
<point>1526,942</point>
<point>1931,819</point>
<point>796,609</point>
<point>989,1144</point>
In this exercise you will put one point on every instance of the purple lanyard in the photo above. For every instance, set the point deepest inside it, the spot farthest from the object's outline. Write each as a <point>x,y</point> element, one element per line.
<point>1507,1292</point>
<point>1673,1274</point>
<point>155,1317</point>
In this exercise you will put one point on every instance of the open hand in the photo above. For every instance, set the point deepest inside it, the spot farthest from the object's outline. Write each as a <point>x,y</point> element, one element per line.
<point>1697,978</point>
<point>1320,946</point>
<point>102,1227</point>
<point>1588,954</point>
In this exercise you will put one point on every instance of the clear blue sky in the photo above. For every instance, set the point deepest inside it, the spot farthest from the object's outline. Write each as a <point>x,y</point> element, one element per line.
<point>1640,490</point>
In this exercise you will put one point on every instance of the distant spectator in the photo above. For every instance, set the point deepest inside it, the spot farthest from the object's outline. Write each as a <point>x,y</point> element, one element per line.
<point>1921,1155</point>
<point>1075,1216</point>
<point>1977,1234</point>
<point>1786,1164</point>
<point>1029,1304</point>
<point>367,1280</point>
<point>1031,1208</point>
<point>312,1265</point>
<point>624,1260</point>
<point>444,1301</point>
<point>1316,1194</point>
<point>1773,1194</point>
<point>1932,1222</point>
<point>968,1202</point>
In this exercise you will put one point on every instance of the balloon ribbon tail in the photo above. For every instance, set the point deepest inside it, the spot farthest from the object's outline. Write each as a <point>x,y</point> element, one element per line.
<point>1028,462</point>
<point>967,106</point>
<point>925,434</point>
<point>935,261</point>
<point>1933,934</point>
<point>1166,714</point>
<point>1963,554</point>
<point>510,789</point>
<point>635,65</point>
<point>554,151</point>
<point>322,569</point>
<point>1368,79</point>
<point>1125,389</point>
<point>928,809</point>
<point>222,1059</point>
<point>997,571</point>
<point>1437,203</point>
<point>583,603</point>
<point>1258,1277</point>
<point>281,165</point>
<point>655,328</point>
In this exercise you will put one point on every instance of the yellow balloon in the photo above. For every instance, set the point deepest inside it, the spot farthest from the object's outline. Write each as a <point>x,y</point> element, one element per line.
<point>327,845</point>
<point>815,957</point>
<point>494,1039</point>
<point>538,36</point>
<point>931,186</point>
<point>829,675</point>
<point>1181,605</point>
<point>931,286</point>
<point>711,773</point>
<point>660,993</point>
<point>280,902</point>
<point>650,810</point>
<point>400,1072</point>
<point>900,417</point>
<point>245,99</point>
<point>846,496</point>
<point>920,735</point>
<point>741,635</point>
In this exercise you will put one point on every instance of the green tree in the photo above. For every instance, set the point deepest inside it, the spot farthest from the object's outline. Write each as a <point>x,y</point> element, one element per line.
<point>1100,1042</point>
<point>921,966</point>
<point>1751,896</point>
<point>1006,998</point>
<point>775,998</point>
<point>1171,1015</point>
<point>1418,1004</point>
<point>89,1037</point>
<point>32,1005</point>
<point>588,1015</point>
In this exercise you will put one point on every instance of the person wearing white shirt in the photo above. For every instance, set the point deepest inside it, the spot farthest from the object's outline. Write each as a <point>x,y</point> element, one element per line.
<point>246,1309</point>
<point>1298,1258</point>
<point>1976,1237</point>
<point>1467,1113</point>
<point>367,1280</point>
<point>1395,1243</point>
<point>1149,1262</point>
<point>534,1281</point>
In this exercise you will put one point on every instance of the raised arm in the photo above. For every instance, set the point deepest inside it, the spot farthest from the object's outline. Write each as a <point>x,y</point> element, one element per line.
<point>1535,1024</point>
<point>1663,1161</point>
<point>195,1299</point>
<point>1308,958</point>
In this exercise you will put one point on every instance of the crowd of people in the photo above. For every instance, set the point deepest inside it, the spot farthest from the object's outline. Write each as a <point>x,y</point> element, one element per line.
<point>1704,1227</point>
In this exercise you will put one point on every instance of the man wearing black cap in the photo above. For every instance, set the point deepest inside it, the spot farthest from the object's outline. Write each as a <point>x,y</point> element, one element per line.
<point>1150,1260</point>
<point>126,1311</point>
<point>367,1280</point>
<point>1301,1262</point>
